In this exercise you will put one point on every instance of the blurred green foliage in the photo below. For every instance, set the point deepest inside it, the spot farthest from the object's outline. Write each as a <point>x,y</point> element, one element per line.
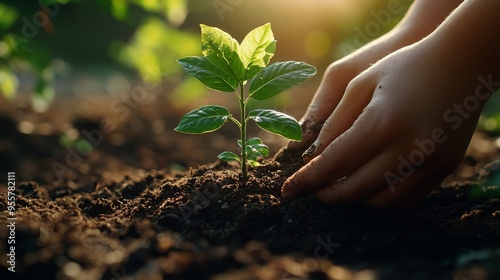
<point>488,183</point>
<point>490,119</point>
<point>139,34</point>
<point>154,49</point>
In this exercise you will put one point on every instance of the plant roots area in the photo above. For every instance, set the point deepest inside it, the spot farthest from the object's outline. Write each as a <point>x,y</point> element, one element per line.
<point>138,202</point>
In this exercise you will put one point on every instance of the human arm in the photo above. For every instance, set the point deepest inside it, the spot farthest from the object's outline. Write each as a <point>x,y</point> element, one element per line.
<point>421,19</point>
<point>404,124</point>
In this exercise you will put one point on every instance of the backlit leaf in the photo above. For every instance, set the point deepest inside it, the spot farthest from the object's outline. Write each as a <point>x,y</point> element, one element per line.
<point>203,120</point>
<point>222,51</point>
<point>257,49</point>
<point>279,77</point>
<point>208,74</point>
<point>277,122</point>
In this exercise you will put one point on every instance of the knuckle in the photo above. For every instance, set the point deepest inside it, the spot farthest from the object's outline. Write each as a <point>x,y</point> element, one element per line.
<point>383,122</point>
<point>331,71</point>
<point>339,72</point>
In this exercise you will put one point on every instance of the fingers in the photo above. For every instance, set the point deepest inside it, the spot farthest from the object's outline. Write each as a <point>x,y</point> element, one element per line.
<point>371,185</point>
<point>357,96</point>
<point>327,96</point>
<point>310,131</point>
<point>366,181</point>
<point>325,100</point>
<point>419,195</point>
<point>407,194</point>
<point>331,164</point>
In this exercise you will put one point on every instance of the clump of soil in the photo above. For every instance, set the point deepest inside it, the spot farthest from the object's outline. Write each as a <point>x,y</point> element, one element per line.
<point>206,223</point>
<point>117,220</point>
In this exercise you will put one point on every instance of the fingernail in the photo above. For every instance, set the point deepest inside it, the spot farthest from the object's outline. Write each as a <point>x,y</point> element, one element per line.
<point>310,150</point>
<point>288,191</point>
<point>307,156</point>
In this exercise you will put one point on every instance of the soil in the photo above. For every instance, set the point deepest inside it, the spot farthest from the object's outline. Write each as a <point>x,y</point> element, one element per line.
<point>133,209</point>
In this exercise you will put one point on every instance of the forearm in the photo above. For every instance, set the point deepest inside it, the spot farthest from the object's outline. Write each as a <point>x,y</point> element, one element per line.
<point>469,39</point>
<point>421,19</point>
<point>466,44</point>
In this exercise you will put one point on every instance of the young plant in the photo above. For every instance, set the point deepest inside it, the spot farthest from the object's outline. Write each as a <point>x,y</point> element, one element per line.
<point>226,66</point>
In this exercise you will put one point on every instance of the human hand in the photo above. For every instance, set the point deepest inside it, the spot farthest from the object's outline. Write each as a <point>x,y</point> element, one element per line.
<point>394,134</point>
<point>332,87</point>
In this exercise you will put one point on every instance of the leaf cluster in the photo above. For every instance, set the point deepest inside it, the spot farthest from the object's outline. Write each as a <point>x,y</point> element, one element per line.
<point>226,66</point>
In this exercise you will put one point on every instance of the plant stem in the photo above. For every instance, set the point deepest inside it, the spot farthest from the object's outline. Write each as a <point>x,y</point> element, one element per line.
<point>243,130</point>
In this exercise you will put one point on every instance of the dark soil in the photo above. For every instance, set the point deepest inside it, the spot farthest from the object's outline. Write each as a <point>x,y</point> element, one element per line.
<point>131,215</point>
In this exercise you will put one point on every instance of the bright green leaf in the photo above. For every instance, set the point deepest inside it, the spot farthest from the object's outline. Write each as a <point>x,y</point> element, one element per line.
<point>222,51</point>
<point>203,120</point>
<point>229,156</point>
<point>208,74</point>
<point>257,49</point>
<point>279,77</point>
<point>253,163</point>
<point>277,122</point>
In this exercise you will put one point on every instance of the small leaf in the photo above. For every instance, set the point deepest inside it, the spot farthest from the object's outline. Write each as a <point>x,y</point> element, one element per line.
<point>260,150</point>
<point>257,49</point>
<point>208,74</point>
<point>257,147</point>
<point>253,163</point>
<point>277,122</point>
<point>203,120</point>
<point>222,51</point>
<point>229,156</point>
<point>279,77</point>
<point>254,141</point>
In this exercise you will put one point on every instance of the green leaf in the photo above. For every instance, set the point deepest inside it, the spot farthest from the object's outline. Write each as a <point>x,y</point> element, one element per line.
<point>208,74</point>
<point>203,120</point>
<point>256,148</point>
<point>253,163</point>
<point>254,141</point>
<point>277,122</point>
<point>257,49</point>
<point>279,77</point>
<point>229,156</point>
<point>222,51</point>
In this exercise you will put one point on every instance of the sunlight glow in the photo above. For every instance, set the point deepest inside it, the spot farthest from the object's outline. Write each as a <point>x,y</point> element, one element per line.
<point>317,44</point>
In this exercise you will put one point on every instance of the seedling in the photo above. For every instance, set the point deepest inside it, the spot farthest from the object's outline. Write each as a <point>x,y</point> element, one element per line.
<point>227,66</point>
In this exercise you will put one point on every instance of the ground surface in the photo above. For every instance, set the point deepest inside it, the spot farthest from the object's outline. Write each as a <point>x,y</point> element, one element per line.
<point>127,210</point>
